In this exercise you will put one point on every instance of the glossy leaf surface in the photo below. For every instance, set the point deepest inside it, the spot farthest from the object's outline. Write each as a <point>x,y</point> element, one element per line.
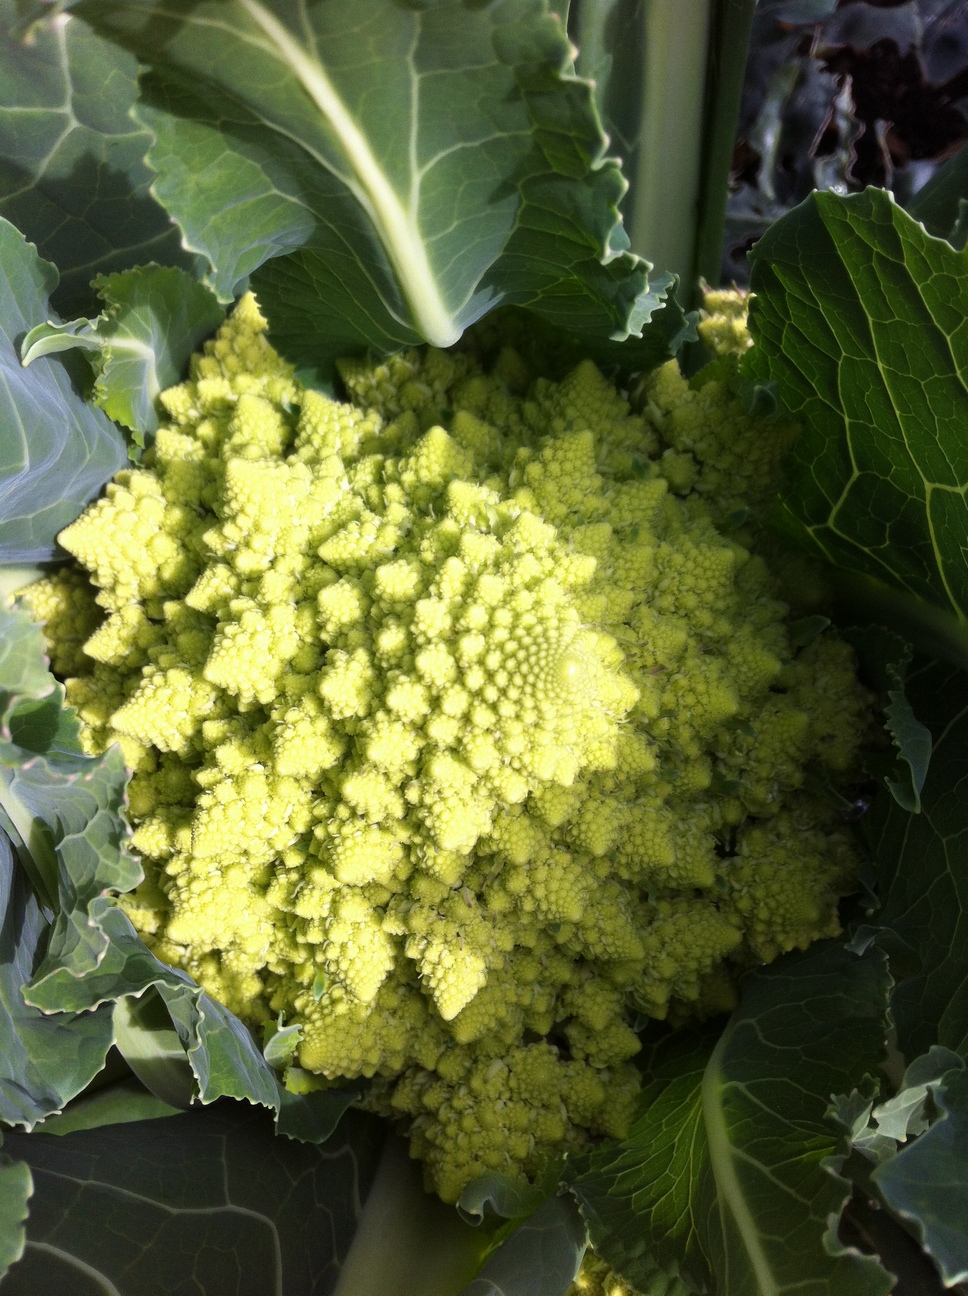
<point>387,174</point>
<point>210,1198</point>
<point>72,171</point>
<point>860,320</point>
<point>56,452</point>
<point>723,1171</point>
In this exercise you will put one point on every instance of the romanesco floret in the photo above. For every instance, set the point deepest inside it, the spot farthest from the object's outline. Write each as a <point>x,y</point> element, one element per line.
<point>456,737</point>
<point>597,1278</point>
<point>710,446</point>
<point>723,321</point>
<point>64,603</point>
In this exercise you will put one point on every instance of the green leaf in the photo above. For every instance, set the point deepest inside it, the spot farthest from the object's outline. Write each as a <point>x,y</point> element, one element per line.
<point>927,1182</point>
<point>210,1199</point>
<point>65,811</point>
<point>859,318</point>
<point>16,1186</point>
<point>509,1198</point>
<point>942,204</point>
<point>920,871</point>
<point>607,36</point>
<point>154,318</point>
<point>45,1059</point>
<point>280,1044</point>
<point>475,176</point>
<point>886,657</point>
<point>725,1168</point>
<point>540,1258</point>
<point>59,807</point>
<point>312,1117</point>
<point>877,1130</point>
<point>115,1104</point>
<point>223,1052</point>
<point>55,804</point>
<point>23,666</point>
<point>55,451</point>
<point>113,962</point>
<point>152,1048</point>
<point>72,170</point>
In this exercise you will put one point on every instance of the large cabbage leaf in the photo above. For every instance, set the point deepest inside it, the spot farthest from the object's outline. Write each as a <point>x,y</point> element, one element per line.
<point>920,871</point>
<point>861,320</point>
<point>209,1200</point>
<point>72,171</point>
<point>55,805</point>
<point>56,452</point>
<point>723,1173</point>
<point>387,174</point>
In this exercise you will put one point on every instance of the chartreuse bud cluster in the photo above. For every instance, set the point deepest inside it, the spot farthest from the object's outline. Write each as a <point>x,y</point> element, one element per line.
<point>457,738</point>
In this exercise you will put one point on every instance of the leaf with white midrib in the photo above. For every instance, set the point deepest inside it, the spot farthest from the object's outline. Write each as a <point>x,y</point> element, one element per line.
<point>387,173</point>
<point>395,225</point>
<point>723,1172</point>
<point>730,1197</point>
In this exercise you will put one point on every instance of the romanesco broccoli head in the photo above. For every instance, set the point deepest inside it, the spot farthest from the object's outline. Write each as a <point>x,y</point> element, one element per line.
<point>457,736</point>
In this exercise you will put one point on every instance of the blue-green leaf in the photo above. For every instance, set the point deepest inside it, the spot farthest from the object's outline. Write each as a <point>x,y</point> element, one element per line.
<point>540,1258</point>
<point>114,1104</point>
<point>56,452</point>
<point>16,1186</point>
<point>942,204</point>
<point>45,1059</point>
<point>920,871</point>
<point>509,1198</point>
<point>886,657</point>
<point>927,1182</point>
<point>72,169</point>
<point>474,175</point>
<point>280,1045</point>
<point>62,811</point>
<point>55,804</point>
<point>878,1129</point>
<point>154,318</point>
<point>152,1048</point>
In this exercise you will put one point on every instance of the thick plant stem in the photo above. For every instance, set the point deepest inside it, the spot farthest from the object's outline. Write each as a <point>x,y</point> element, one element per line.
<point>664,214</point>
<point>409,1243</point>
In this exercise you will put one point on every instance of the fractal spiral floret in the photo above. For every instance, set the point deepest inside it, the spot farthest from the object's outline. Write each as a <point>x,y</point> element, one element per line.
<point>461,738</point>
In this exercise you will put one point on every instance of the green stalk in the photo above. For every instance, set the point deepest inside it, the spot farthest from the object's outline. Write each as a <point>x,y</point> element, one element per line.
<point>725,74</point>
<point>664,212</point>
<point>408,1243</point>
<point>668,84</point>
